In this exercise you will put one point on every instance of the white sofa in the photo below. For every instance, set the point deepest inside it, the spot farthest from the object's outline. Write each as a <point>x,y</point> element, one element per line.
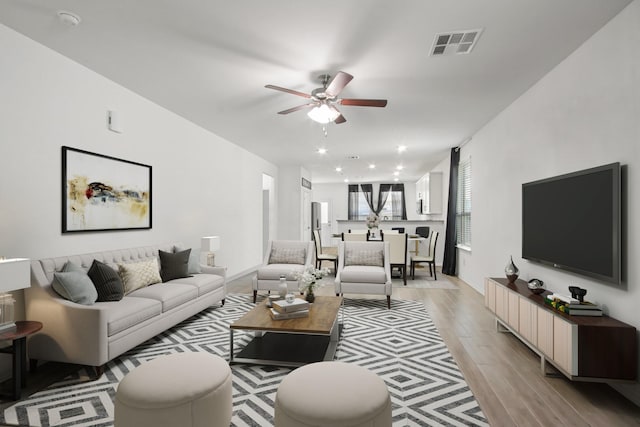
<point>95,334</point>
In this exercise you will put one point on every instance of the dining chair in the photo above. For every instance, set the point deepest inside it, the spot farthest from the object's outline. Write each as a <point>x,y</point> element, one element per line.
<point>429,259</point>
<point>321,256</point>
<point>398,229</point>
<point>397,251</point>
<point>355,237</point>
<point>422,232</point>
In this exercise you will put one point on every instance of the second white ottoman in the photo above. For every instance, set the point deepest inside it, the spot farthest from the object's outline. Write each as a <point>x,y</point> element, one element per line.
<point>335,394</point>
<point>182,389</point>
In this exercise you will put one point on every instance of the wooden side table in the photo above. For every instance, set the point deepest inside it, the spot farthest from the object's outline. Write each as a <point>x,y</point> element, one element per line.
<point>24,328</point>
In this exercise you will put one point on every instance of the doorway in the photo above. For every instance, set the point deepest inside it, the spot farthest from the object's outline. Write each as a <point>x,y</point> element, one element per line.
<point>268,218</point>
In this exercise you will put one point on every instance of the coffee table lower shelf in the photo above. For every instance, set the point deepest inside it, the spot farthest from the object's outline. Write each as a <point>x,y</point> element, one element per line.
<point>286,349</point>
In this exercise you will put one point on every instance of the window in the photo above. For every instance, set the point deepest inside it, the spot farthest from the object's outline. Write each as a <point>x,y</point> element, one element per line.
<point>463,208</point>
<point>361,203</point>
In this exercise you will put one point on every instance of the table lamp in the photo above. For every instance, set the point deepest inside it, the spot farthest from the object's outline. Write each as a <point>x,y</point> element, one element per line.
<point>209,245</point>
<point>15,273</point>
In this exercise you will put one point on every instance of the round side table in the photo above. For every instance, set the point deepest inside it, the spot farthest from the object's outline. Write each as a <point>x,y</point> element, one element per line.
<point>18,337</point>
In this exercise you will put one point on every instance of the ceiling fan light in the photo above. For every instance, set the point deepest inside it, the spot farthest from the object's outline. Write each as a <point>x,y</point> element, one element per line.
<point>323,114</point>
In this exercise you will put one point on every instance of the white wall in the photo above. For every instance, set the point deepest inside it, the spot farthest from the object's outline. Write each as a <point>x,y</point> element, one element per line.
<point>290,202</point>
<point>202,184</point>
<point>584,113</point>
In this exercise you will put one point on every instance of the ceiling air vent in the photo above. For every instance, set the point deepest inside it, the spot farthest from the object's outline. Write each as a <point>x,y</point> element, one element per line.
<point>455,42</point>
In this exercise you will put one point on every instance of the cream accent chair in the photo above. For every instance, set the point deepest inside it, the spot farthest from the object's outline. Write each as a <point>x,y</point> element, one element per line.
<point>429,259</point>
<point>320,256</point>
<point>365,278</point>
<point>283,257</point>
<point>398,251</point>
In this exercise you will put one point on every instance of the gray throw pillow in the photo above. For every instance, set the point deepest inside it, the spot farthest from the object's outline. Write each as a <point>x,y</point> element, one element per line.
<point>194,260</point>
<point>73,284</point>
<point>106,281</point>
<point>287,256</point>
<point>174,265</point>
<point>364,257</point>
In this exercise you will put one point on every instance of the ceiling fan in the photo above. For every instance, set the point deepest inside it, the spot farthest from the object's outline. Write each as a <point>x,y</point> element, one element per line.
<point>323,100</point>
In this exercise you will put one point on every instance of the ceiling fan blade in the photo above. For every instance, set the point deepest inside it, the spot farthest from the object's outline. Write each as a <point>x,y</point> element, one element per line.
<point>363,102</point>
<point>291,91</point>
<point>339,119</point>
<point>337,84</point>
<point>299,107</point>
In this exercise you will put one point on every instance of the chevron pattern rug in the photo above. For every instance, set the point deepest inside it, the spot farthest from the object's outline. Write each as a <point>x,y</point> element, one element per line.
<point>400,345</point>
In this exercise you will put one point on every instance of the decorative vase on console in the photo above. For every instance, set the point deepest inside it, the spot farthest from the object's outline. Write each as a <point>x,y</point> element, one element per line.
<point>310,297</point>
<point>511,271</point>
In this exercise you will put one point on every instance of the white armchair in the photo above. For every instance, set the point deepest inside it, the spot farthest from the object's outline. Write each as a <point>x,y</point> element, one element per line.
<point>283,257</point>
<point>364,268</point>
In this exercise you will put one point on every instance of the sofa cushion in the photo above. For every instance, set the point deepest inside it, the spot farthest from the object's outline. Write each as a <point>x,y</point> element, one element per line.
<point>287,255</point>
<point>169,295</point>
<point>274,271</point>
<point>137,275</point>
<point>73,284</point>
<point>363,274</point>
<point>129,313</point>
<point>372,257</point>
<point>174,265</point>
<point>107,282</point>
<point>205,283</point>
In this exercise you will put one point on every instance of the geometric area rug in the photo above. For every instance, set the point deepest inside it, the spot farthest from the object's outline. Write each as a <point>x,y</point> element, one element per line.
<point>402,346</point>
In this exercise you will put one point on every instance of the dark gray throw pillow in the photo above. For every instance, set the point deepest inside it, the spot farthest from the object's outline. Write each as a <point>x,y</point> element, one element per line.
<point>174,265</point>
<point>107,282</point>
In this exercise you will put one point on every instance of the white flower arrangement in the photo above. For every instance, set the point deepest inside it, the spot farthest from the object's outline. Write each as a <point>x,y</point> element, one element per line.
<point>372,221</point>
<point>310,278</point>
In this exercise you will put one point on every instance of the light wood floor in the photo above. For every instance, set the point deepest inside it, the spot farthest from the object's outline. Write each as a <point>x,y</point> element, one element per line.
<point>503,373</point>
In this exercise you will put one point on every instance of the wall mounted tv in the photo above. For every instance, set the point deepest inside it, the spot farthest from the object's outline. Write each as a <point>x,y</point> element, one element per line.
<point>572,222</point>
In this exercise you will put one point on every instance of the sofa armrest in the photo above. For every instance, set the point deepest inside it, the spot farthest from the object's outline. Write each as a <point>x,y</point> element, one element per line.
<point>218,271</point>
<point>71,332</point>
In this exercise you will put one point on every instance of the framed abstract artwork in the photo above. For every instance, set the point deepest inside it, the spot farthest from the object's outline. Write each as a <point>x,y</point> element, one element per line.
<point>103,193</point>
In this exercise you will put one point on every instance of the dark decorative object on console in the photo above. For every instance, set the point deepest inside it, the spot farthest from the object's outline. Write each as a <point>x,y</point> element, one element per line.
<point>536,286</point>
<point>577,293</point>
<point>511,271</point>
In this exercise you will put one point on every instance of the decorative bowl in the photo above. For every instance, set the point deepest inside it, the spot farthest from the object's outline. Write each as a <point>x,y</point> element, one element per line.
<point>536,286</point>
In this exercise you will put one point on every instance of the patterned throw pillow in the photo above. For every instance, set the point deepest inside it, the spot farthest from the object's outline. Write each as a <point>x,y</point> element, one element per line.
<point>107,282</point>
<point>287,256</point>
<point>139,274</point>
<point>364,257</point>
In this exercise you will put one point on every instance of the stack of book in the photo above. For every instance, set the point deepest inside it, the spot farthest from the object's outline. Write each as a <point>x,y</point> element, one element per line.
<point>282,309</point>
<point>572,306</point>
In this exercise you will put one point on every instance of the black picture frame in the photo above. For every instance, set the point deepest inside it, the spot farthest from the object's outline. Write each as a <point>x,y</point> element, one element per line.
<point>104,193</point>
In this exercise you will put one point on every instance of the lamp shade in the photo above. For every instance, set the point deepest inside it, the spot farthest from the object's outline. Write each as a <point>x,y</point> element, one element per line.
<point>15,273</point>
<point>210,244</point>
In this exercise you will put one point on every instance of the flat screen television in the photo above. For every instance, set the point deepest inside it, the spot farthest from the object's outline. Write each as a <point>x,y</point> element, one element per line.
<point>572,222</point>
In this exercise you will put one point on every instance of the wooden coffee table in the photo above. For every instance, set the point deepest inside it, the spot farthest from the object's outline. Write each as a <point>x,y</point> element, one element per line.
<point>291,342</point>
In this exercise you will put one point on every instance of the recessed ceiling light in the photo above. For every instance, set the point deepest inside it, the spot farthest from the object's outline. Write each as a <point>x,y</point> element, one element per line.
<point>338,169</point>
<point>346,180</point>
<point>396,179</point>
<point>322,151</point>
<point>399,167</point>
<point>402,148</point>
<point>68,18</point>
<point>372,166</point>
<point>396,173</point>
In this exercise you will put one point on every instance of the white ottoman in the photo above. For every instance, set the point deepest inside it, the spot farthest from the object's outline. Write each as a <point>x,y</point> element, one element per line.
<point>332,394</point>
<point>183,389</point>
